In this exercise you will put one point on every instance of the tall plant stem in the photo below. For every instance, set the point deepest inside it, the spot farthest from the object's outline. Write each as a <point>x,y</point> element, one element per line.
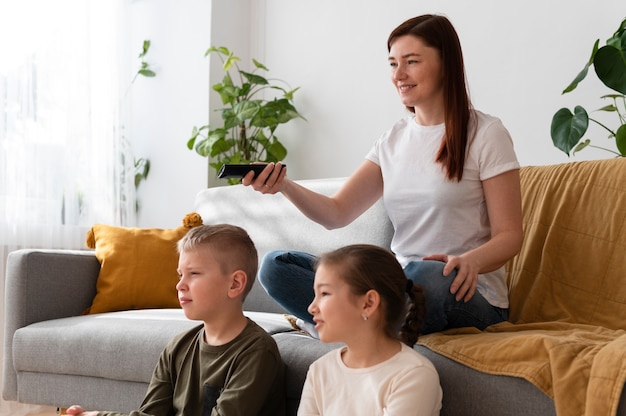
<point>243,142</point>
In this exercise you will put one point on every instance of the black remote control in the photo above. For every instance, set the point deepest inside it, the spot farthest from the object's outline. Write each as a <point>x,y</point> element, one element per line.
<point>239,171</point>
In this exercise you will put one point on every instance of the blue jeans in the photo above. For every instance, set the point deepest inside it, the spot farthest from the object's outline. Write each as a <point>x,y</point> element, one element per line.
<point>287,277</point>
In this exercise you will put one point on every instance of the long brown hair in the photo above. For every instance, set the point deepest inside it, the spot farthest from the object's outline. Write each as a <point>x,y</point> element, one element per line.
<point>367,267</point>
<point>437,32</point>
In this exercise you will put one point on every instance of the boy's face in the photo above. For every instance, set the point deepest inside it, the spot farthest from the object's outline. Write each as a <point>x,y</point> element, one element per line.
<point>203,287</point>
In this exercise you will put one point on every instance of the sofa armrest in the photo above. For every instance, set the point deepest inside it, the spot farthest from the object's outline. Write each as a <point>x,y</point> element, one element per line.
<point>43,285</point>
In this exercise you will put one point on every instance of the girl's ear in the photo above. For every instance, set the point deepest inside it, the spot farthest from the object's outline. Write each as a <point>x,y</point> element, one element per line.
<point>371,301</point>
<point>238,282</point>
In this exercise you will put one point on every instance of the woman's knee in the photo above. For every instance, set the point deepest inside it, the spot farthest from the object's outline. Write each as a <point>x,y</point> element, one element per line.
<point>429,275</point>
<point>278,265</point>
<point>268,270</point>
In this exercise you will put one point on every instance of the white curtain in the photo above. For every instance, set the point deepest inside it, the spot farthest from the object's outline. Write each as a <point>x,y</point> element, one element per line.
<point>65,162</point>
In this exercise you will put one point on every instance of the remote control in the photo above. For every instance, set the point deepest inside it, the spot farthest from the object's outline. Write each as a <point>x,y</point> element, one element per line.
<point>239,171</point>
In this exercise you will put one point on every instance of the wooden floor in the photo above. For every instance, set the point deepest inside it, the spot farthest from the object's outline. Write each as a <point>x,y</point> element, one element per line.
<point>17,409</point>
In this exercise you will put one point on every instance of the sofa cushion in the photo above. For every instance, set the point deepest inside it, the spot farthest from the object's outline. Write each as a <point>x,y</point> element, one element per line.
<point>138,266</point>
<point>94,345</point>
<point>468,392</point>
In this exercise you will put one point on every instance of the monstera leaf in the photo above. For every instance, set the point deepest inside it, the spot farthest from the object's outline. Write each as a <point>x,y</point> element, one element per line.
<point>609,63</point>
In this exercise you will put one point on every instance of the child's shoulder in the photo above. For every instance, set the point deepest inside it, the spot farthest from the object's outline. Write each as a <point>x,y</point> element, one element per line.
<point>253,333</point>
<point>410,355</point>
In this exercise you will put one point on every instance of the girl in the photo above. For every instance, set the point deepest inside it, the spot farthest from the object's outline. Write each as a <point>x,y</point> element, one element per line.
<point>361,300</point>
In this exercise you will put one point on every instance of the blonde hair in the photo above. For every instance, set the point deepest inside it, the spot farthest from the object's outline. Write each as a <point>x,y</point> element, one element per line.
<point>233,248</point>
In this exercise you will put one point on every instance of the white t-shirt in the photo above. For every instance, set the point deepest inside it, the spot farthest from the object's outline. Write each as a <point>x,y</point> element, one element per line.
<point>431,214</point>
<point>407,384</point>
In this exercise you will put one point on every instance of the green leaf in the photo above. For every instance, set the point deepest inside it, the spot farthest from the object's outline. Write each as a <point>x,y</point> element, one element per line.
<point>222,146</point>
<point>244,91</point>
<point>614,96</point>
<point>260,138</point>
<point>273,113</point>
<point>581,146</point>
<point>229,94</point>
<point>230,118</point>
<point>142,169</point>
<point>620,139</point>
<point>610,66</point>
<point>618,39</point>
<point>221,50</point>
<point>206,146</point>
<point>582,74</point>
<point>254,79</point>
<point>245,110</point>
<point>227,81</point>
<point>230,61</point>
<point>145,48</point>
<point>192,140</point>
<point>567,129</point>
<point>259,65</point>
<point>146,73</point>
<point>277,150</point>
<point>289,94</point>
<point>608,108</point>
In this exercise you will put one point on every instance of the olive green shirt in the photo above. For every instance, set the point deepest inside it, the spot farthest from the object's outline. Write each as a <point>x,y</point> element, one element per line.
<point>243,377</point>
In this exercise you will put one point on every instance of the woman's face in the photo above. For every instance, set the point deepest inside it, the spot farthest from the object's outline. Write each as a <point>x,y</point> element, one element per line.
<point>416,72</point>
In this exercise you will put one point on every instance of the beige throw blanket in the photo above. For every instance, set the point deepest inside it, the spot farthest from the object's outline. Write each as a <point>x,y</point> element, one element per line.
<point>567,291</point>
<point>583,368</point>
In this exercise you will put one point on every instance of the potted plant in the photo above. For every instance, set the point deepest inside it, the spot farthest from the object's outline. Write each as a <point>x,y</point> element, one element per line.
<point>249,120</point>
<point>609,63</point>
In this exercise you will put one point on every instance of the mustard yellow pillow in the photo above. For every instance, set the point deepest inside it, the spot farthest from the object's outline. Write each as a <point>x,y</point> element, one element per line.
<point>137,266</point>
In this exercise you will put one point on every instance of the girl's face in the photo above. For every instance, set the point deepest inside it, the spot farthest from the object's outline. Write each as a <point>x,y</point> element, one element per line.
<point>416,72</point>
<point>336,310</point>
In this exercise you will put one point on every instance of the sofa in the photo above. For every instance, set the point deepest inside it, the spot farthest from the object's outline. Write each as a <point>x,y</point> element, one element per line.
<point>55,354</point>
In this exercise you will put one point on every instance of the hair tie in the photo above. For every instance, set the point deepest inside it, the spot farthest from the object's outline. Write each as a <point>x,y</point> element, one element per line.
<point>409,285</point>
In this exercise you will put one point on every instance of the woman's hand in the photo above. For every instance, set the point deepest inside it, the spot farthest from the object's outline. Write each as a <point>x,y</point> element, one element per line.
<point>270,181</point>
<point>466,280</point>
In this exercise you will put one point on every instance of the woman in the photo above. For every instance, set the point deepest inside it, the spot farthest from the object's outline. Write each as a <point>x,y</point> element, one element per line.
<point>449,179</point>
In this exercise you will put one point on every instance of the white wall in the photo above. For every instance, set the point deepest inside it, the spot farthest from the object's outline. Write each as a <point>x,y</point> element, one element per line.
<point>165,108</point>
<point>519,56</point>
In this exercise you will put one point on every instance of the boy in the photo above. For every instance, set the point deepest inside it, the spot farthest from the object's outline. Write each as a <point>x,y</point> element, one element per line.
<point>229,365</point>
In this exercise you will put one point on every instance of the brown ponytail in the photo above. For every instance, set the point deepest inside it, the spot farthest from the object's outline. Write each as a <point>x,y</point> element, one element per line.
<point>416,309</point>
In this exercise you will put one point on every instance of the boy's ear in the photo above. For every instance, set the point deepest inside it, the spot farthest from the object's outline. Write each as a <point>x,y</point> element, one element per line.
<point>238,282</point>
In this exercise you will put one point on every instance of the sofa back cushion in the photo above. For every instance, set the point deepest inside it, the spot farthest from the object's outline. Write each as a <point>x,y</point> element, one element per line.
<point>572,265</point>
<point>275,224</point>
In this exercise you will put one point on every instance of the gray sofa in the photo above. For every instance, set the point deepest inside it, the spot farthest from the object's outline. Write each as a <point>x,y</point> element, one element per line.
<point>54,356</point>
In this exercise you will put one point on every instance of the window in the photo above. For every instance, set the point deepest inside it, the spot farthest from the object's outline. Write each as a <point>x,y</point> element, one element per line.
<point>64,161</point>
